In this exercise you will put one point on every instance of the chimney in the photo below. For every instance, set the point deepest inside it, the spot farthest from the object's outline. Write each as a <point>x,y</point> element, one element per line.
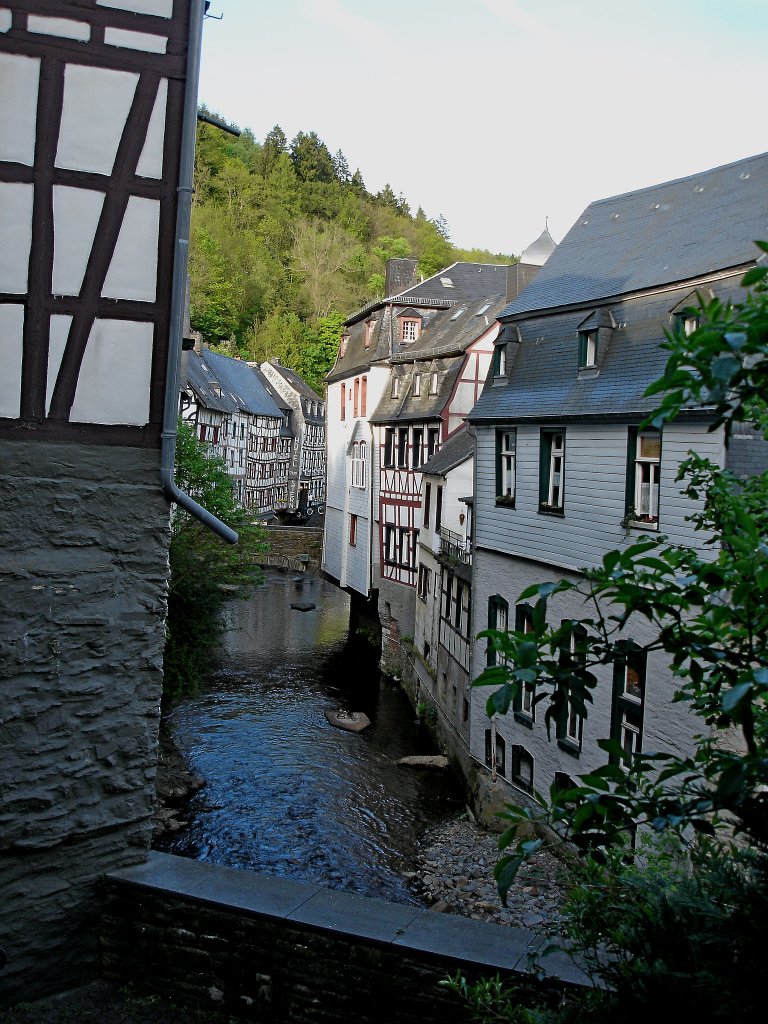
<point>519,276</point>
<point>400,274</point>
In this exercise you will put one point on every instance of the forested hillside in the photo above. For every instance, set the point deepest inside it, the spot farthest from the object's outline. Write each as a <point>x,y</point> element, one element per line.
<point>287,242</point>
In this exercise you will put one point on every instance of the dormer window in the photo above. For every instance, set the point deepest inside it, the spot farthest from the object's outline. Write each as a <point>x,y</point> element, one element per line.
<point>369,326</point>
<point>344,343</point>
<point>587,349</point>
<point>433,381</point>
<point>416,385</point>
<point>409,329</point>
<point>499,368</point>
<point>688,323</point>
<point>395,393</point>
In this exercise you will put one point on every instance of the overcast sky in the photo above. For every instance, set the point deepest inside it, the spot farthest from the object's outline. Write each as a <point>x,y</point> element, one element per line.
<point>499,114</point>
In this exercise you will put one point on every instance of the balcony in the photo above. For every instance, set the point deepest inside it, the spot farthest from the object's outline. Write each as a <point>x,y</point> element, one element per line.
<point>455,548</point>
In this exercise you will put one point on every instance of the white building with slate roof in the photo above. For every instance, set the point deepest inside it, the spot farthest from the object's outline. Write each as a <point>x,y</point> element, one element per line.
<point>564,472</point>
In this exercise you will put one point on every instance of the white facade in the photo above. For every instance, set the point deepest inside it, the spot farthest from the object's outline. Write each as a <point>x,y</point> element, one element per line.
<point>349,524</point>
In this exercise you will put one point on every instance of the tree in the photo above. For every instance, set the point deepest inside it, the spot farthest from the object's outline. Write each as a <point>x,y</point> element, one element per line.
<point>202,565</point>
<point>683,928</point>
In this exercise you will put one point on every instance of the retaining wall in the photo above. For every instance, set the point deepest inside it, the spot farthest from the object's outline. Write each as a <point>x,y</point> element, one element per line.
<point>273,950</point>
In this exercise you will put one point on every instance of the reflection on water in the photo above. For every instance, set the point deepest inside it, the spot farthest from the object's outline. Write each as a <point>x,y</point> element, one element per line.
<point>288,794</point>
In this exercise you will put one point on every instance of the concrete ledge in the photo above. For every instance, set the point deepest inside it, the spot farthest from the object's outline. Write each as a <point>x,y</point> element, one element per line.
<point>460,942</point>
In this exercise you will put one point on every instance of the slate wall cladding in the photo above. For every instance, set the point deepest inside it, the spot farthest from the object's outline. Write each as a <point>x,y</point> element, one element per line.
<point>275,950</point>
<point>83,576</point>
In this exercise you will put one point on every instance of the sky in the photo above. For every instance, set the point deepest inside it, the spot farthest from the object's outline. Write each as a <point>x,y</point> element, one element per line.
<point>500,115</point>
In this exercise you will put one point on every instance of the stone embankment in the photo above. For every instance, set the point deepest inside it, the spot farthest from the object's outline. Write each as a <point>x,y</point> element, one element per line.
<point>175,784</point>
<point>454,873</point>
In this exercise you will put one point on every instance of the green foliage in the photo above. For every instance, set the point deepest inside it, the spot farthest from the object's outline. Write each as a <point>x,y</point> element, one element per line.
<point>205,570</point>
<point>283,230</point>
<point>676,928</point>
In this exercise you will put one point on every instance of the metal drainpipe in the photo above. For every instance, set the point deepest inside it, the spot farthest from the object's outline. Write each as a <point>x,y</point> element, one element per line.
<point>179,286</point>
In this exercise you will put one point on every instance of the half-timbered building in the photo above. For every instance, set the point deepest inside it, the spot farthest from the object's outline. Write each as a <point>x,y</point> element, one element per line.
<point>564,469</point>
<point>306,476</point>
<point>98,103</point>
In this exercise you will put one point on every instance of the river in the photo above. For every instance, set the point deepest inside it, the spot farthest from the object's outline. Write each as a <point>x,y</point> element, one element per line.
<point>288,794</point>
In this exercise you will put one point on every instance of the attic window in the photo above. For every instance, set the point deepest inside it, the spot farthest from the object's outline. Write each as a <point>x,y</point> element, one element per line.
<point>459,311</point>
<point>409,329</point>
<point>344,343</point>
<point>369,325</point>
<point>433,378</point>
<point>395,387</point>
<point>446,282</point>
<point>688,323</point>
<point>483,309</point>
<point>587,349</point>
<point>417,385</point>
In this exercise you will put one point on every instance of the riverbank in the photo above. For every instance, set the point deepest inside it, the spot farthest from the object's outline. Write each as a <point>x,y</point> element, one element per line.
<point>453,873</point>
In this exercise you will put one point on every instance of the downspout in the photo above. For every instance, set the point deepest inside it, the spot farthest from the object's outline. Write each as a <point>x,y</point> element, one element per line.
<point>179,285</point>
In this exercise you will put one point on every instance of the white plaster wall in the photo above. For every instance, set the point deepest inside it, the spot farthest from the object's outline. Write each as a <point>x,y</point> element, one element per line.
<point>76,213</point>
<point>146,41</point>
<point>16,201</point>
<point>132,273</point>
<point>66,28</point>
<point>113,386</point>
<point>96,106</point>
<point>160,8</point>
<point>150,163</point>
<point>11,349</point>
<point>59,330</point>
<point>19,80</point>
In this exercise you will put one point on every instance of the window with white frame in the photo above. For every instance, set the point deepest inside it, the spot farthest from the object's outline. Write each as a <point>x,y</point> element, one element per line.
<point>417,446</point>
<point>552,471</point>
<point>395,392</point>
<point>587,349</point>
<point>524,705</point>
<point>570,727</point>
<point>644,462</point>
<point>506,453</point>
<point>390,544</point>
<point>409,329</point>
<point>425,582</point>
<point>434,378</point>
<point>629,679</point>
<point>402,447</point>
<point>359,460</point>
<point>498,618</point>
<point>416,385</point>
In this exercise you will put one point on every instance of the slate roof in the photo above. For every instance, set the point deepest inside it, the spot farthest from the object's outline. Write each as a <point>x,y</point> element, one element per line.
<point>206,386</point>
<point>451,331</point>
<point>240,380</point>
<point>471,282</point>
<point>544,382</point>
<point>457,449</point>
<point>671,232</point>
<point>296,382</point>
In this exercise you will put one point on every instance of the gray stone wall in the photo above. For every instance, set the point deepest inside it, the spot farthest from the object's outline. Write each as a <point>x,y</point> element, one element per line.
<point>273,950</point>
<point>83,576</point>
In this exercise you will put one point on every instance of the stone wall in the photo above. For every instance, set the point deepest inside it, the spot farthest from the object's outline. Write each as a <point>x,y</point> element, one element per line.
<point>83,575</point>
<point>275,950</point>
<point>293,541</point>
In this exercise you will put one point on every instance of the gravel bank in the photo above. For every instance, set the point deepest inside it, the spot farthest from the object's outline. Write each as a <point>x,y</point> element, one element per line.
<point>454,872</point>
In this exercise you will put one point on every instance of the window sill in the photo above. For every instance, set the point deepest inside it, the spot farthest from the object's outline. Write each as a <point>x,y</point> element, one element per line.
<point>569,746</point>
<point>635,524</point>
<point>524,719</point>
<point>505,502</point>
<point>544,510</point>
<point>521,784</point>
<point>499,382</point>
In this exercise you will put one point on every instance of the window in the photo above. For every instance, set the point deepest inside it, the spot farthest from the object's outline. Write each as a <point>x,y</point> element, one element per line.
<point>447,594</point>
<point>403,545</point>
<point>643,475</point>
<point>457,605</point>
<point>506,449</point>
<point>587,349</point>
<point>352,530</point>
<point>427,503</point>
<point>438,509</point>
<point>402,447</point>
<point>499,364</point>
<point>359,459</point>
<point>495,751</point>
<point>522,768</point>
<point>571,724</point>
<point>551,471</point>
<point>687,322</point>
<point>390,540</point>
<point>433,441</point>
<point>369,325</point>
<point>417,385</point>
<point>363,395</point>
<point>629,674</point>
<point>389,446</point>
<point>356,398</point>
<point>343,401</point>
<point>418,444</point>
<point>524,704</point>
<point>498,618</point>
<point>425,582</point>
<point>433,381</point>
<point>409,330</point>
<point>344,343</point>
